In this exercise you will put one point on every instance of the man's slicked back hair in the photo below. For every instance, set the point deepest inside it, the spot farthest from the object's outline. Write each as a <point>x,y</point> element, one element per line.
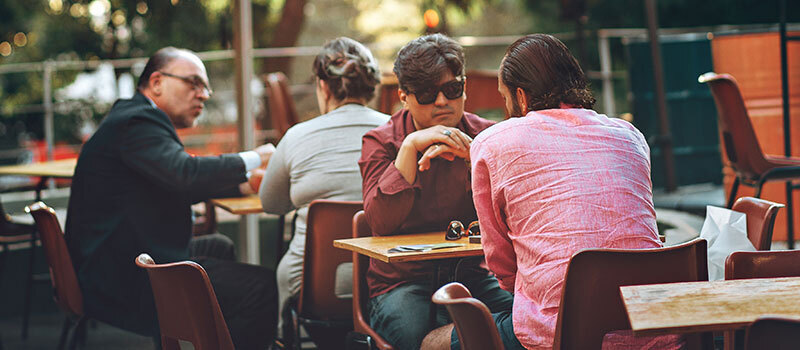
<point>423,61</point>
<point>159,60</point>
<point>543,67</point>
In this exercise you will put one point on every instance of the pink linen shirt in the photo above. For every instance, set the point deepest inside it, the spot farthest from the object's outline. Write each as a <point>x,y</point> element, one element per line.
<point>548,185</point>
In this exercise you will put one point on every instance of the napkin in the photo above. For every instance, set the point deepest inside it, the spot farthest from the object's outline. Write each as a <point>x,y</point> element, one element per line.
<point>422,247</point>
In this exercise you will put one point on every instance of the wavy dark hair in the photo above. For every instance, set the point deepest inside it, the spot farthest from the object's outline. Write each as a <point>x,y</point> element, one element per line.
<point>348,68</point>
<point>543,67</point>
<point>424,60</point>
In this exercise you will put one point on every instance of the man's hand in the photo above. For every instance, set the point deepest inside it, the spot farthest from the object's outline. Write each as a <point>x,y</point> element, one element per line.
<point>440,150</point>
<point>265,152</point>
<point>421,140</point>
<point>452,143</point>
<point>253,182</point>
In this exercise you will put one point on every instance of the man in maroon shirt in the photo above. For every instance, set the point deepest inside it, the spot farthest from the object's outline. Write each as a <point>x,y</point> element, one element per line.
<point>416,179</point>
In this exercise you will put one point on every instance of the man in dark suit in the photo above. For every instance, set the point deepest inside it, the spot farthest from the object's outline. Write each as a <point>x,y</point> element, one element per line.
<point>132,193</point>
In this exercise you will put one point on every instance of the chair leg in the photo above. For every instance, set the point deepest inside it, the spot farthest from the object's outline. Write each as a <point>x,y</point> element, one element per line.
<point>28,286</point>
<point>169,344</point>
<point>298,343</point>
<point>77,334</point>
<point>64,332</point>
<point>734,189</point>
<point>789,215</point>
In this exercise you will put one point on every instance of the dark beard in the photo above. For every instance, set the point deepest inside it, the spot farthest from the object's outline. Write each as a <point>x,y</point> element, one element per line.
<point>516,111</point>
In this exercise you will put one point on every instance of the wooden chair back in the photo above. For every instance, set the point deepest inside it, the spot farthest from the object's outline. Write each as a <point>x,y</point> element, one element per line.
<point>737,136</point>
<point>282,111</point>
<point>761,216</point>
<point>66,290</point>
<point>360,289</point>
<point>760,264</point>
<point>774,333</point>
<point>591,305</point>
<point>186,304</point>
<point>327,221</point>
<point>473,321</point>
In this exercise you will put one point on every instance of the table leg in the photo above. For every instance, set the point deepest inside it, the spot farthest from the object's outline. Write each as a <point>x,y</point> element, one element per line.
<point>40,186</point>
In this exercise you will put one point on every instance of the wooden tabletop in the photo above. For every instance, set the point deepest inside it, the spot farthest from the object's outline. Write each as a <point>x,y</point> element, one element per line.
<point>240,205</point>
<point>58,168</point>
<point>709,306</point>
<point>378,247</point>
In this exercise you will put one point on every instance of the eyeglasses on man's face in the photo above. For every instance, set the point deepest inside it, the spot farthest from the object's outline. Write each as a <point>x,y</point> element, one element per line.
<point>197,83</point>
<point>452,90</point>
<point>456,230</point>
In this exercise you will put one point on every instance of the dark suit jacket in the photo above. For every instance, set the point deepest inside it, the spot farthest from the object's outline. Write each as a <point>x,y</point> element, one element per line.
<point>131,194</point>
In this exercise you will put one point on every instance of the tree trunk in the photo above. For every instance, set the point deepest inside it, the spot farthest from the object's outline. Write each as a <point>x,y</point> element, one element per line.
<point>285,35</point>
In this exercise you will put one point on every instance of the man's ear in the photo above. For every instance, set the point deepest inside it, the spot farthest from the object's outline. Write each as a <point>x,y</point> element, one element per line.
<point>522,100</point>
<point>402,95</point>
<point>155,83</point>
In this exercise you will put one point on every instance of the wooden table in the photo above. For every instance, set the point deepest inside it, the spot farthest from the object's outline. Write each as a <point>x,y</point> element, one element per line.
<point>378,247</point>
<point>252,205</point>
<point>240,205</point>
<point>64,168</point>
<point>689,307</point>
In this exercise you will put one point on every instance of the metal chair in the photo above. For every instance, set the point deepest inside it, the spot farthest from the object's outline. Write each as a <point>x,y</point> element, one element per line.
<point>362,332</point>
<point>473,321</point>
<point>591,305</point>
<point>326,316</point>
<point>753,168</point>
<point>66,291</point>
<point>13,233</point>
<point>186,305</point>
<point>760,219</point>
<point>774,333</point>
<point>761,264</point>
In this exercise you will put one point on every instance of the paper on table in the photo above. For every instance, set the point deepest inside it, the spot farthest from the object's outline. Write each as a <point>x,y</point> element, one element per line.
<point>423,247</point>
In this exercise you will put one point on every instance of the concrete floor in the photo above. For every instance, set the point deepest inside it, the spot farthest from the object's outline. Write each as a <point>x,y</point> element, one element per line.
<point>45,329</point>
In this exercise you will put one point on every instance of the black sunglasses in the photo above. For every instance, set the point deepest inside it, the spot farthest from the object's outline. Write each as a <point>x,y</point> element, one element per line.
<point>456,230</point>
<point>452,90</point>
<point>196,82</point>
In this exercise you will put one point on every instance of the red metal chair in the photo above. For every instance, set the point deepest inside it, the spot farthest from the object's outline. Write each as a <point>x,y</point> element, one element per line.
<point>12,233</point>
<point>774,333</point>
<point>761,264</point>
<point>591,305</point>
<point>753,168</point>
<point>282,111</point>
<point>187,305</point>
<point>66,291</point>
<point>327,316</point>
<point>760,219</point>
<point>365,333</point>
<point>473,321</point>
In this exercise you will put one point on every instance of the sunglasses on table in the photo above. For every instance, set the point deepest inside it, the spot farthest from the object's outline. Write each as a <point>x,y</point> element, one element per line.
<point>452,90</point>
<point>455,230</point>
<point>197,83</point>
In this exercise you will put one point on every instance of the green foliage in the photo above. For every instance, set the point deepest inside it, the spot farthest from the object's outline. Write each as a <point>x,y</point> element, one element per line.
<point>677,13</point>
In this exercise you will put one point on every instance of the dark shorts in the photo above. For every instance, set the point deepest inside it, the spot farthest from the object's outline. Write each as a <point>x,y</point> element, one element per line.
<point>504,326</point>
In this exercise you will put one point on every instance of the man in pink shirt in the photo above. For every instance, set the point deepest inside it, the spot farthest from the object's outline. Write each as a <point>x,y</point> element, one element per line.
<point>555,179</point>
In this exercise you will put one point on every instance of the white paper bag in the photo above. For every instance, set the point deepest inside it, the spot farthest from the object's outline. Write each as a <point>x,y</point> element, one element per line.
<point>726,232</point>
